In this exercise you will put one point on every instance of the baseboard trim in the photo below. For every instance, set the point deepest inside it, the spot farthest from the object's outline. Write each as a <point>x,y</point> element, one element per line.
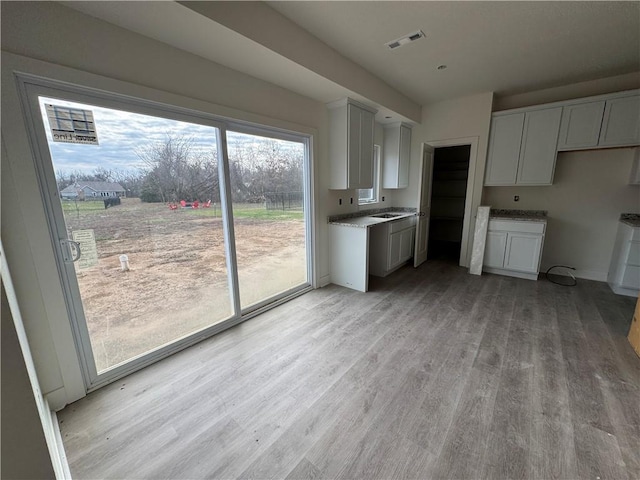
<point>56,446</point>
<point>325,280</point>
<point>628,292</point>
<point>510,273</point>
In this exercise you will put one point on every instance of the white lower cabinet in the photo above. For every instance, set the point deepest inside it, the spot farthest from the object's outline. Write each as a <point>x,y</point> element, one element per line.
<point>624,270</point>
<point>391,245</point>
<point>400,247</point>
<point>523,252</point>
<point>495,249</point>
<point>514,248</point>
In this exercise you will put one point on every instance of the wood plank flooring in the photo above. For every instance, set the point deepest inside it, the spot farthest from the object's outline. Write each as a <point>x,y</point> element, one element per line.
<point>434,373</point>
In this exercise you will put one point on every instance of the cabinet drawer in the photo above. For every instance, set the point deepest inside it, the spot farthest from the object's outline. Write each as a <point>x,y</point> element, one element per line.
<point>516,226</point>
<point>403,224</point>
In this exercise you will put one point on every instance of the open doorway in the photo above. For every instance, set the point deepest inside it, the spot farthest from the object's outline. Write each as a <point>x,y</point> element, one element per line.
<point>448,200</point>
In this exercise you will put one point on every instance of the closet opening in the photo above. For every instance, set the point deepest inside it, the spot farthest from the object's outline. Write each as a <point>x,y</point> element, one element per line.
<point>448,197</point>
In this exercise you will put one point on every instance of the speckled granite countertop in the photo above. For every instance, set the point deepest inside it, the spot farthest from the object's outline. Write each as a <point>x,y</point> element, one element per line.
<point>632,219</point>
<point>526,215</point>
<point>364,218</point>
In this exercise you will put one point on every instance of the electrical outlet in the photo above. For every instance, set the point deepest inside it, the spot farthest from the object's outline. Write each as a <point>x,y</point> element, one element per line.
<point>516,198</point>
<point>383,199</point>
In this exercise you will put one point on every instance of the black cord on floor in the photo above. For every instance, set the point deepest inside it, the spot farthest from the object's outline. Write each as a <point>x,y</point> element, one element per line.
<point>568,283</point>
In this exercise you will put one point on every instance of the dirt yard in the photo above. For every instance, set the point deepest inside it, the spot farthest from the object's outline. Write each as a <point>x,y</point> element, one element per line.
<point>177,282</point>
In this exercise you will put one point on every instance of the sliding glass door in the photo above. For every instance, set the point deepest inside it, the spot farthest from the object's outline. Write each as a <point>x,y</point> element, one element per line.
<point>268,198</point>
<point>162,237</point>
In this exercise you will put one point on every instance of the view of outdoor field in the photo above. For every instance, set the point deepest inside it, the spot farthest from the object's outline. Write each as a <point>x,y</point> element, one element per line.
<point>153,267</point>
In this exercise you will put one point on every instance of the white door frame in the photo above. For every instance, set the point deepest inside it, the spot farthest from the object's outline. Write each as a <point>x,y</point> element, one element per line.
<point>425,180</point>
<point>472,199</point>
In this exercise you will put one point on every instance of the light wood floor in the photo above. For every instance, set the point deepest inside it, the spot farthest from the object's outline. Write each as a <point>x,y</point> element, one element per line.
<point>433,374</point>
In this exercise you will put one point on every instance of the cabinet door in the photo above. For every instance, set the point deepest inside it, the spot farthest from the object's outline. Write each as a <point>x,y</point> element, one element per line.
<point>580,127</point>
<point>395,246</point>
<point>406,244</point>
<point>353,146</point>
<point>523,252</point>
<point>621,123</point>
<point>405,157</point>
<point>494,249</point>
<point>539,147</point>
<point>504,149</point>
<point>366,150</point>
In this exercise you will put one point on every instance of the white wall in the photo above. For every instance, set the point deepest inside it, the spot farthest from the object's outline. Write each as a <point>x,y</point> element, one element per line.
<point>268,27</point>
<point>589,192</point>
<point>49,32</point>
<point>449,120</point>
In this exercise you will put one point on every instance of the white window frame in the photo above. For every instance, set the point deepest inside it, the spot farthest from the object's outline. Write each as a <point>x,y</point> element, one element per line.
<point>374,192</point>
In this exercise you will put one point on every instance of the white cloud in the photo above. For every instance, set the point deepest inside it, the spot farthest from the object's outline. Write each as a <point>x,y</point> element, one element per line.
<point>120,135</point>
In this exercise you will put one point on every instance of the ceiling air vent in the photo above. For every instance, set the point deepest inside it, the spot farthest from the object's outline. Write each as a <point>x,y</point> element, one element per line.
<point>411,37</point>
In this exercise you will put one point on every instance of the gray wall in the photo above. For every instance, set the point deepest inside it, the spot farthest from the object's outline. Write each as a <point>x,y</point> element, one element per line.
<point>24,448</point>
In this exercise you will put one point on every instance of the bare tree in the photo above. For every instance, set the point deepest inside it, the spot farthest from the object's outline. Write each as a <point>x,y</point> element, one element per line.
<point>173,171</point>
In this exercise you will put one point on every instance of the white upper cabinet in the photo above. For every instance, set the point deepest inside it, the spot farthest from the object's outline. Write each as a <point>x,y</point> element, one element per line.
<point>524,142</point>
<point>621,122</point>
<point>396,156</point>
<point>351,145</point>
<point>580,127</point>
<point>539,147</point>
<point>523,148</point>
<point>504,149</point>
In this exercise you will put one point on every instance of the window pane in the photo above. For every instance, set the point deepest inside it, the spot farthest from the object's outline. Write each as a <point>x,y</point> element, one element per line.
<point>152,267</point>
<point>267,191</point>
<point>370,195</point>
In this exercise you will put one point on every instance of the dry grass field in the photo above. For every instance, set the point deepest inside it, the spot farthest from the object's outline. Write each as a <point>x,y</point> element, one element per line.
<point>177,282</point>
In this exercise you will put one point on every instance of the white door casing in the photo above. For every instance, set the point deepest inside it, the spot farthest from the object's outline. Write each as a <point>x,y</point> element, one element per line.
<point>424,206</point>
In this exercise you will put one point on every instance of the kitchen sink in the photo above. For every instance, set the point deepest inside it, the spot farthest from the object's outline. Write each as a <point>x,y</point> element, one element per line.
<point>387,215</point>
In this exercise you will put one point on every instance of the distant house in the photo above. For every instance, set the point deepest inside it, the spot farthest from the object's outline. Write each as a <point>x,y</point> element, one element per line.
<point>92,191</point>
